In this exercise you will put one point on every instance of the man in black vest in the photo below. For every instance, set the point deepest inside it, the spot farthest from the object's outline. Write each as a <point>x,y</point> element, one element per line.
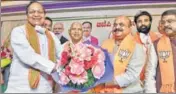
<point>58,31</point>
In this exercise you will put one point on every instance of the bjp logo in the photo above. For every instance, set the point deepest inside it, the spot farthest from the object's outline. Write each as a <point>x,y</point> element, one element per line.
<point>123,54</point>
<point>164,55</point>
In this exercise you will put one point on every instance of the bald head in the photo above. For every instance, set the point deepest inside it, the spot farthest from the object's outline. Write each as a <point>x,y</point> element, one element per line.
<point>76,32</point>
<point>76,24</point>
<point>125,18</point>
<point>58,28</point>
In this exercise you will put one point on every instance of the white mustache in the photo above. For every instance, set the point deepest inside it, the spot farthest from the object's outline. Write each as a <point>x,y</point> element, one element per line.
<point>57,33</point>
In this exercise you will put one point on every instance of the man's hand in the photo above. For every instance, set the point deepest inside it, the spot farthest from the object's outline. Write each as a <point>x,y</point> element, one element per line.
<point>2,81</point>
<point>55,68</point>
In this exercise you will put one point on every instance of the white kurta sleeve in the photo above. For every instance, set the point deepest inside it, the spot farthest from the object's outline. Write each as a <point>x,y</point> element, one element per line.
<point>150,72</point>
<point>133,69</point>
<point>26,54</point>
<point>58,46</point>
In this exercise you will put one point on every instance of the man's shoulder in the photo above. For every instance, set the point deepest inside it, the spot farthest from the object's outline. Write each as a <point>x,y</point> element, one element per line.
<point>154,35</point>
<point>139,51</point>
<point>51,33</point>
<point>18,29</point>
<point>108,41</point>
<point>63,38</point>
<point>108,44</point>
<point>155,43</point>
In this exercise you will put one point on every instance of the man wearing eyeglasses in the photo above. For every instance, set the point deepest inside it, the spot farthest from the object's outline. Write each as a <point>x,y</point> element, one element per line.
<point>35,52</point>
<point>127,57</point>
<point>165,68</point>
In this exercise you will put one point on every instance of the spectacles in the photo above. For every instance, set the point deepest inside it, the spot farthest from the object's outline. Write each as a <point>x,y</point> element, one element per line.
<point>34,11</point>
<point>120,24</point>
<point>168,21</point>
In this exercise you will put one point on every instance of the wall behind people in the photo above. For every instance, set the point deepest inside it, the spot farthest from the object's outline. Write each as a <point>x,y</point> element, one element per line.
<point>7,27</point>
<point>102,19</point>
<point>101,26</point>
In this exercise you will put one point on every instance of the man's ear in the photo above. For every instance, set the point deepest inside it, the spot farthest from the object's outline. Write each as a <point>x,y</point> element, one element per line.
<point>133,23</point>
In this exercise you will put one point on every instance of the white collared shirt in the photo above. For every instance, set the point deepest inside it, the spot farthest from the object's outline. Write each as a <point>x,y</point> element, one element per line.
<point>146,40</point>
<point>150,72</point>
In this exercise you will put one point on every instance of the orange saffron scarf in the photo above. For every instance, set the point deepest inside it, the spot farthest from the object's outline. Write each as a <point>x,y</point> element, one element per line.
<point>121,60</point>
<point>109,45</point>
<point>153,36</point>
<point>123,56</point>
<point>31,34</point>
<point>165,55</point>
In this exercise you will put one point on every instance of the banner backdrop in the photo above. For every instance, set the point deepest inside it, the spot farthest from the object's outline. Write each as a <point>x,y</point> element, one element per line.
<point>101,26</point>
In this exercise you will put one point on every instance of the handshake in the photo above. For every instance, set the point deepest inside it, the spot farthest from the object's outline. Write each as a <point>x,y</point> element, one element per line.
<point>55,72</point>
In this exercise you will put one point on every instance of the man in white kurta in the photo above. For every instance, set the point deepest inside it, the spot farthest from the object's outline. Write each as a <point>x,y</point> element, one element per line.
<point>24,57</point>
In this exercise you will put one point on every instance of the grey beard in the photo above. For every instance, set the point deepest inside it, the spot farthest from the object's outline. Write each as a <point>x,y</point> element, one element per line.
<point>59,36</point>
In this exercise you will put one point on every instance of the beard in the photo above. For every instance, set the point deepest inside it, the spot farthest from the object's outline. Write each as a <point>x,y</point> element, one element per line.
<point>144,29</point>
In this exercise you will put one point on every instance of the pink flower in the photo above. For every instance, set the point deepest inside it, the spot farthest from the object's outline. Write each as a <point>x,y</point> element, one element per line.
<point>92,62</point>
<point>98,70</point>
<point>76,66</point>
<point>3,54</point>
<point>101,57</point>
<point>79,79</point>
<point>67,70</point>
<point>63,79</point>
<point>83,57</point>
<point>92,49</point>
<point>66,47</point>
<point>85,54</point>
<point>88,53</point>
<point>64,58</point>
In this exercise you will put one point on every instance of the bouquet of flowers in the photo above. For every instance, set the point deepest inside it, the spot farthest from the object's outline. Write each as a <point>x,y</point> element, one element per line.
<point>82,67</point>
<point>6,56</point>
